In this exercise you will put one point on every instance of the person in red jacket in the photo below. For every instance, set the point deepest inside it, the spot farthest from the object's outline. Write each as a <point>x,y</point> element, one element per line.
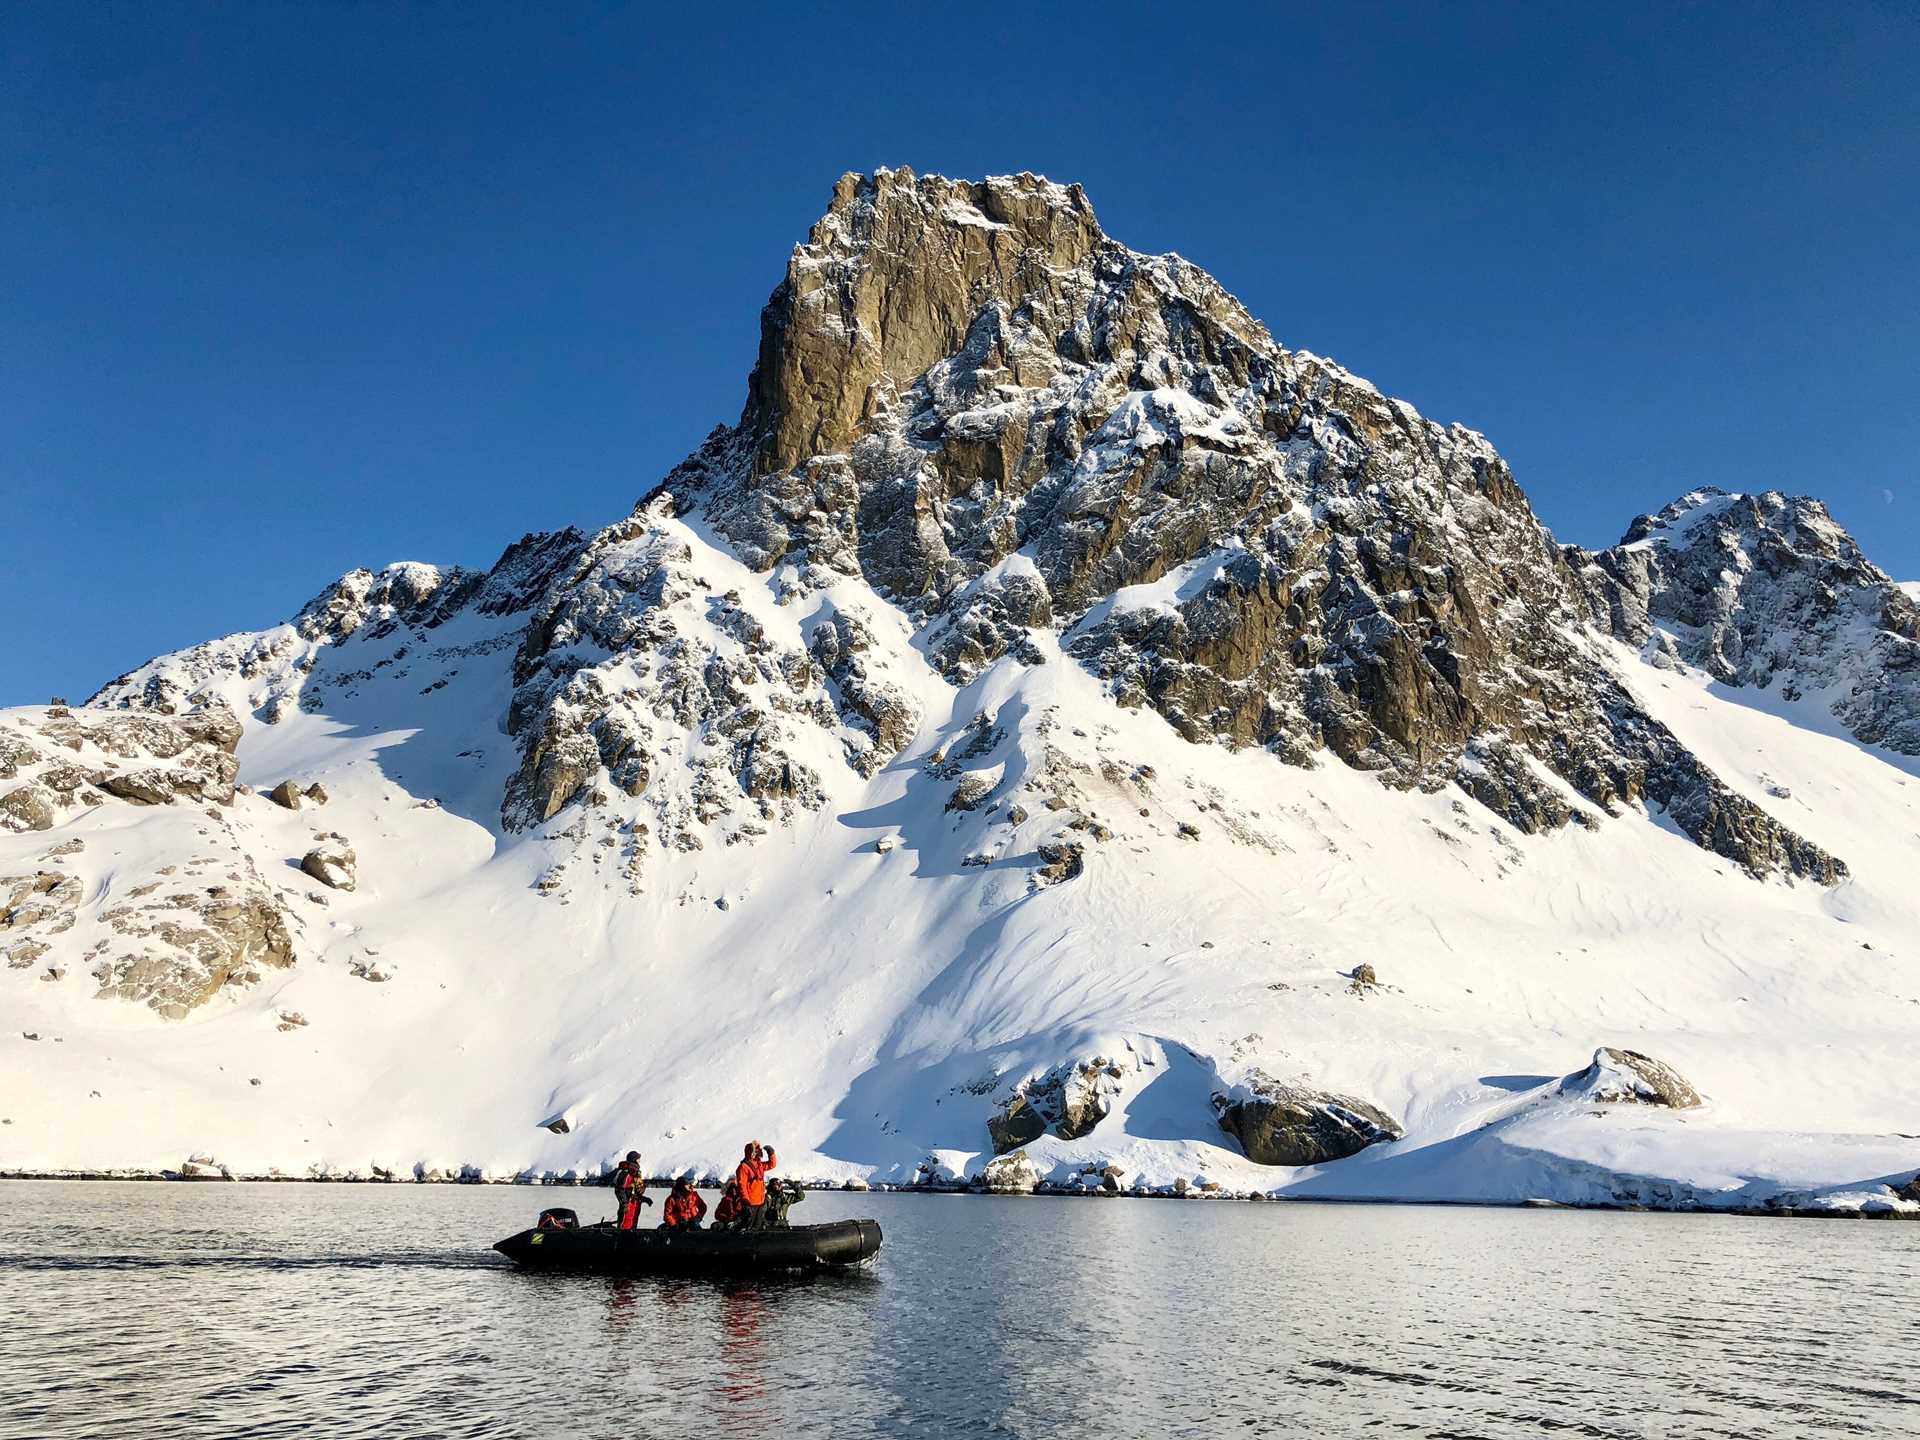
<point>629,1190</point>
<point>685,1209</point>
<point>731,1211</point>
<point>751,1176</point>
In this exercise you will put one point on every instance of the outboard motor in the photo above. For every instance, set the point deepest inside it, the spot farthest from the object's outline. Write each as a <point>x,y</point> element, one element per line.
<point>558,1218</point>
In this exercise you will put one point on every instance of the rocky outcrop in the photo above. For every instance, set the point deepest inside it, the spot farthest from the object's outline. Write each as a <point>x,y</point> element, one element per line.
<point>407,593</point>
<point>1068,1100</point>
<point>1011,1174</point>
<point>44,902</point>
<point>182,942</point>
<point>287,795</point>
<point>1281,1124</point>
<point>972,790</point>
<point>1015,1124</point>
<point>878,715</point>
<point>74,758</point>
<point>1060,861</point>
<point>1626,1077</point>
<point>332,862</point>
<point>1766,591</point>
<point>27,807</point>
<point>170,938</point>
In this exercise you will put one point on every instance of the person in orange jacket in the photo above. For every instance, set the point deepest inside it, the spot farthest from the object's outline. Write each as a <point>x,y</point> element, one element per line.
<point>751,1176</point>
<point>629,1190</point>
<point>685,1209</point>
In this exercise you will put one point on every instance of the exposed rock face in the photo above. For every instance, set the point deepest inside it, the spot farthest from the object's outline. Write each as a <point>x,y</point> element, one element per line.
<point>1767,591</point>
<point>332,863</point>
<point>1069,1100</point>
<point>408,593</point>
<point>1626,1077</point>
<point>73,759</point>
<point>287,795</point>
<point>1017,1123</point>
<point>43,901</point>
<point>633,653</point>
<point>880,719</point>
<point>196,940</point>
<point>1281,1124</point>
<point>28,807</point>
<point>170,938</point>
<point>972,790</point>
<point>1253,541</point>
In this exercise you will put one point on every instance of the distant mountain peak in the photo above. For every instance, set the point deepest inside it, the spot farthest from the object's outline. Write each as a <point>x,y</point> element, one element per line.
<point>1768,591</point>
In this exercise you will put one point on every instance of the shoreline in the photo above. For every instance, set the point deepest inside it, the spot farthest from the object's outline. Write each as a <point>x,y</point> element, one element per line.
<point>1890,1209</point>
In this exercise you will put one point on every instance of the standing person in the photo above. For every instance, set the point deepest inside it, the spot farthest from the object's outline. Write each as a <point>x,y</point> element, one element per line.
<point>752,1179</point>
<point>629,1190</point>
<point>685,1208</point>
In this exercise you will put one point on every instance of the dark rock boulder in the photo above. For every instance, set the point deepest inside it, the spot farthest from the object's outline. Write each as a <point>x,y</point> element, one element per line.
<point>287,795</point>
<point>212,723</point>
<point>1281,1124</point>
<point>1017,1123</point>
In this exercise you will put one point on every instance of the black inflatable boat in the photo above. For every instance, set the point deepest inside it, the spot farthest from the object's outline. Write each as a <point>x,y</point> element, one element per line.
<point>602,1249</point>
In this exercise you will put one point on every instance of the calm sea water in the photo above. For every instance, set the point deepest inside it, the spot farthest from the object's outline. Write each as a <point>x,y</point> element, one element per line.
<point>279,1310</point>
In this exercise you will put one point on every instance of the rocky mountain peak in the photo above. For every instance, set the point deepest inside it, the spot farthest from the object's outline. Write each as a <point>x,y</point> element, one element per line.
<point>905,271</point>
<point>980,422</point>
<point>999,418</point>
<point>890,281</point>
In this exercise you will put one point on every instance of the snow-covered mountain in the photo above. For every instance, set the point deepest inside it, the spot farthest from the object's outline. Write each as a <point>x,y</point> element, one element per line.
<point>1056,734</point>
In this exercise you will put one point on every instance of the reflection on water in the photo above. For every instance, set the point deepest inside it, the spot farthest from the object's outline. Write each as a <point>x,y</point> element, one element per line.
<point>240,1310</point>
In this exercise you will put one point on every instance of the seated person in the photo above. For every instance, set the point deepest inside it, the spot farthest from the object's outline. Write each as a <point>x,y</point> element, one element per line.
<point>684,1208</point>
<point>731,1209</point>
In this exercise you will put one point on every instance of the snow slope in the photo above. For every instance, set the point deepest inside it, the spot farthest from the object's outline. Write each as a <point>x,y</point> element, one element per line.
<point>857,1005</point>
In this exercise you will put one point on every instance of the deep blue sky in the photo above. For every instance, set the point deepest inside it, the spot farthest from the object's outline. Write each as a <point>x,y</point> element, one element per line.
<point>284,291</point>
